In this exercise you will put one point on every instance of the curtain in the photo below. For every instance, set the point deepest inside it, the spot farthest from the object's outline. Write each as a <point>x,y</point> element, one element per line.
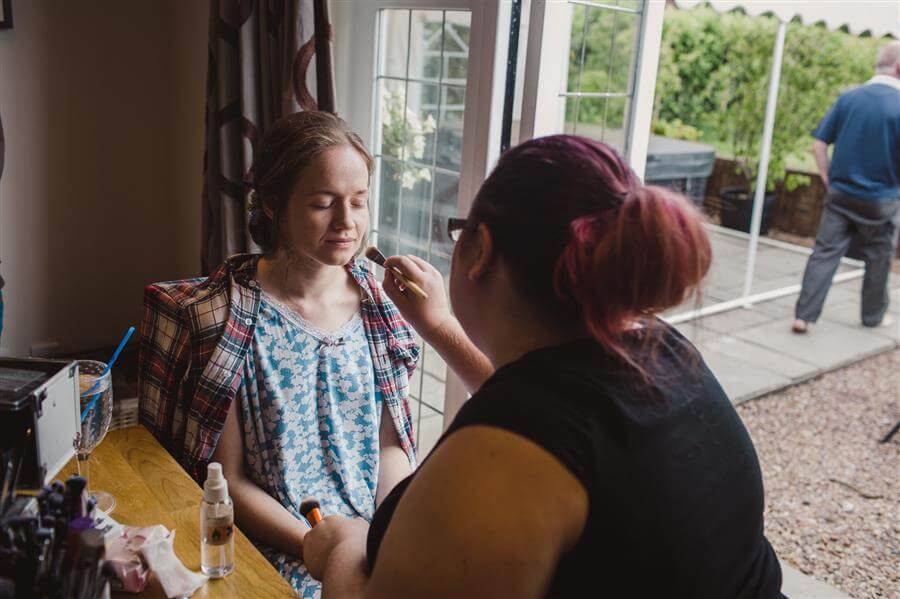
<point>260,52</point>
<point>2,156</point>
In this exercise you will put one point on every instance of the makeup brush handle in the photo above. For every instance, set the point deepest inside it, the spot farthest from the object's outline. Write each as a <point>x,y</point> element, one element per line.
<point>409,284</point>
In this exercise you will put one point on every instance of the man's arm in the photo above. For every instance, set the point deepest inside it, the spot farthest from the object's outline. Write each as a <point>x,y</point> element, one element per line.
<point>820,151</point>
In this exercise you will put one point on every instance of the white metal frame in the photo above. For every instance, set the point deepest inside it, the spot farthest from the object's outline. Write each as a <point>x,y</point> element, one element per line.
<point>764,153</point>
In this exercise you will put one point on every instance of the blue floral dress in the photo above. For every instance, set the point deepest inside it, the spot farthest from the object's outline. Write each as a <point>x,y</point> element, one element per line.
<point>310,417</point>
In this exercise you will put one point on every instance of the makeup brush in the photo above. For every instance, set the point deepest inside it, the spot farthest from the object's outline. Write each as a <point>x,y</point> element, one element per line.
<point>378,258</point>
<point>309,509</point>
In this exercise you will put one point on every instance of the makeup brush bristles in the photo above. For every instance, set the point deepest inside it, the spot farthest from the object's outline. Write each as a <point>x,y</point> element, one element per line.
<point>373,254</point>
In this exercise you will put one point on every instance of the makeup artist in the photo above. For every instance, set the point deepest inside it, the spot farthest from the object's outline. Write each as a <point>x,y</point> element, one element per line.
<point>602,458</point>
<point>292,368</point>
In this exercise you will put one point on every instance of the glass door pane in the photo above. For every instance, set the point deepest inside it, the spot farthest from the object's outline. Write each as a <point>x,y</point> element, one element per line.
<point>601,69</point>
<point>423,58</point>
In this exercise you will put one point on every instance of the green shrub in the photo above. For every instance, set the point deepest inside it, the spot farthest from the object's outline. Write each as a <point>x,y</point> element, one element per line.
<point>676,130</point>
<point>714,75</point>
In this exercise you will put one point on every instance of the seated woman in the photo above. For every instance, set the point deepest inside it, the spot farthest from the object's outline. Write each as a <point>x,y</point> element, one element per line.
<point>602,457</point>
<point>291,368</point>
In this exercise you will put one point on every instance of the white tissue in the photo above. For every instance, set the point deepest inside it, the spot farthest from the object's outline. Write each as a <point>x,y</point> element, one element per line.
<point>176,580</point>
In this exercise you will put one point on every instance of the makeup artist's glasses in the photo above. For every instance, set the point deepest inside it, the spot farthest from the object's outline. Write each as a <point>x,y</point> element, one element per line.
<point>455,227</point>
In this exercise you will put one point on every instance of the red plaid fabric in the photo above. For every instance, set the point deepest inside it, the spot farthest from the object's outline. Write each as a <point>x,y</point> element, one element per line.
<point>194,338</point>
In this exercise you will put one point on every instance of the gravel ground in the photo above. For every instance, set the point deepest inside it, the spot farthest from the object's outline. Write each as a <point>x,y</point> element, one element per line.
<point>832,490</point>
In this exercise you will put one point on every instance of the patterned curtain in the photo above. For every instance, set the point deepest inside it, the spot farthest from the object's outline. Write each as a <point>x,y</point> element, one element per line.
<point>259,55</point>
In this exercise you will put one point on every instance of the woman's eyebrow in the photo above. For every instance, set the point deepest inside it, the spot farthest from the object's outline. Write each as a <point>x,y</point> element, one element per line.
<point>322,192</point>
<point>332,192</point>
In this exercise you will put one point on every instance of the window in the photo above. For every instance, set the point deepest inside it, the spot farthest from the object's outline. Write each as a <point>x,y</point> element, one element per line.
<point>421,91</point>
<point>590,70</point>
<point>421,79</point>
<point>603,43</point>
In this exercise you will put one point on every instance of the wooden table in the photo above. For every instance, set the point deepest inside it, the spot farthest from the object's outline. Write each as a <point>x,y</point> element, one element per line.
<point>151,488</point>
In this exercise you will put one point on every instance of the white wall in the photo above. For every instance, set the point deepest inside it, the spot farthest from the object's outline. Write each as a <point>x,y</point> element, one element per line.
<point>102,108</point>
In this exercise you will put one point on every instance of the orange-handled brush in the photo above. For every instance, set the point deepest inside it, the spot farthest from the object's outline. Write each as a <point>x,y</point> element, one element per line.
<point>378,258</point>
<point>310,510</point>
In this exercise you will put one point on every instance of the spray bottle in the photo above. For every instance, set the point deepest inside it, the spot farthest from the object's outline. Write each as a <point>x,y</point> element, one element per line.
<point>216,525</point>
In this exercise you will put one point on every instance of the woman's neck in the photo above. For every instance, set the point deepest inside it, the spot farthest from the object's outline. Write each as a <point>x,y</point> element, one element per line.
<point>511,346</point>
<point>517,327</point>
<point>299,278</point>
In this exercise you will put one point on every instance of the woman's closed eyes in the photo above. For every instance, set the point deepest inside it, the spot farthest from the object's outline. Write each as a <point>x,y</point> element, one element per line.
<point>360,201</point>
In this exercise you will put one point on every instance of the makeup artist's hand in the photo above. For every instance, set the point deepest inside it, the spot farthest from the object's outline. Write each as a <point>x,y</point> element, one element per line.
<point>426,316</point>
<point>323,538</point>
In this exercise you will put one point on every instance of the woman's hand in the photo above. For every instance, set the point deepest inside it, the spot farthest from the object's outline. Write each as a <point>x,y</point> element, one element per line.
<point>427,316</point>
<point>322,539</point>
<point>433,320</point>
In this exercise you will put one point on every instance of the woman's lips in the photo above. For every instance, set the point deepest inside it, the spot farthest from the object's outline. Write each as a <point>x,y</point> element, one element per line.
<point>341,242</point>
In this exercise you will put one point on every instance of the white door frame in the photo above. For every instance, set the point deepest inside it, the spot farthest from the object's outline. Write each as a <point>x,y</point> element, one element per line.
<point>649,43</point>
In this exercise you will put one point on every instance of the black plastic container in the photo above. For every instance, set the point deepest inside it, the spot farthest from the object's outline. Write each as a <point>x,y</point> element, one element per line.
<point>736,211</point>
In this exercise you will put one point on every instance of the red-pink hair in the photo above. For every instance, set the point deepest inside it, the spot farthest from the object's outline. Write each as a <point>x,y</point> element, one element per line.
<point>584,238</point>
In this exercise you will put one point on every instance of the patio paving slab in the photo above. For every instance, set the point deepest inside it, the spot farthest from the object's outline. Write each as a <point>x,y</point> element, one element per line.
<point>742,381</point>
<point>738,319</point>
<point>839,293</point>
<point>848,313</point>
<point>743,353</point>
<point>829,345</point>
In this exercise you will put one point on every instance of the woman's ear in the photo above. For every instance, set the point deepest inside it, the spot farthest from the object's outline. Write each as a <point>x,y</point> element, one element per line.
<point>483,253</point>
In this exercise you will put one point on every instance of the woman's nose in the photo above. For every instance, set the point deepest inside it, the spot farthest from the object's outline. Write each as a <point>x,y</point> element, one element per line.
<point>343,217</point>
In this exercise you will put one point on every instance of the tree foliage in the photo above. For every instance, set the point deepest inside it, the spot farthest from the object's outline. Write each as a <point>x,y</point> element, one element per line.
<point>714,74</point>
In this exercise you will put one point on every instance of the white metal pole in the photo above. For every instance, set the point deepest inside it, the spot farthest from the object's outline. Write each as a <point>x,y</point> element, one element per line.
<point>765,151</point>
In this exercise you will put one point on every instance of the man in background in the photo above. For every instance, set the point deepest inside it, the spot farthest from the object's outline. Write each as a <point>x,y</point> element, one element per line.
<point>863,197</point>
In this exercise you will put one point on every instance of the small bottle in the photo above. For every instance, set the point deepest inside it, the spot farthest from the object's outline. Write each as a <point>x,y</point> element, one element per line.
<point>216,525</point>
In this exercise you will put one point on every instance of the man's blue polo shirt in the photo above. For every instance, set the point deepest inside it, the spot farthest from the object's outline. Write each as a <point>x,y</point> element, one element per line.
<point>864,126</point>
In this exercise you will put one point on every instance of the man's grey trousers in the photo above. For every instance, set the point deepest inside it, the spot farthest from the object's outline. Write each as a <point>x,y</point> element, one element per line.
<point>873,224</point>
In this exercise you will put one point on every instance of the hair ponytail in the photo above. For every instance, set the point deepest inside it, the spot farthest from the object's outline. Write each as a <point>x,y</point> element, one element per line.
<point>585,241</point>
<point>641,258</point>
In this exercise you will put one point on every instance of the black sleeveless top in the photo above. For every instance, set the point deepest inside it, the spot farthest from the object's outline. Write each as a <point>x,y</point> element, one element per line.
<point>674,486</point>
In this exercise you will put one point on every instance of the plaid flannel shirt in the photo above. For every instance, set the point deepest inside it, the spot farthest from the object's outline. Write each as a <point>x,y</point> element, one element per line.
<point>195,335</point>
